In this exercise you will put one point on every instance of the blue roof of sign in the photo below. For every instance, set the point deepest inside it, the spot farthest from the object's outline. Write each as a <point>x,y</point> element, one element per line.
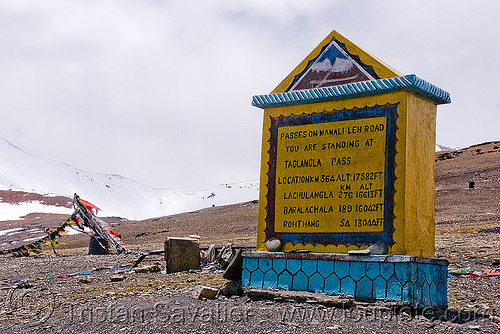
<point>356,89</point>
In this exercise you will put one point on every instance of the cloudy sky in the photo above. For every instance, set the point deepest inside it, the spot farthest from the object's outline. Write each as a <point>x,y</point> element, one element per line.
<point>160,91</point>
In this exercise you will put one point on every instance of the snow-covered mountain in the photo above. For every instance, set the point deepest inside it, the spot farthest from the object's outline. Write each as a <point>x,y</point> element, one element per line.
<point>445,148</point>
<point>114,194</point>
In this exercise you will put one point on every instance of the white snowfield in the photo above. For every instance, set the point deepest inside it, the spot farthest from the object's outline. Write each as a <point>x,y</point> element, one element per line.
<point>16,211</point>
<point>113,194</point>
<point>445,148</point>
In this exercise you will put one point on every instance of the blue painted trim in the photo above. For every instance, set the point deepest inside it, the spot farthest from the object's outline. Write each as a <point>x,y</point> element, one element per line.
<point>357,89</point>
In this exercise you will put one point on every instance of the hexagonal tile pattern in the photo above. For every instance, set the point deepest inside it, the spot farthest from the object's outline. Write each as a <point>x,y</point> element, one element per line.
<point>251,263</point>
<point>372,270</point>
<point>310,267</point>
<point>393,289</point>
<point>316,283</point>
<point>279,265</point>
<point>293,266</point>
<point>386,270</point>
<point>347,286</point>
<point>256,278</point>
<point>379,288</point>
<point>270,280</point>
<point>285,280</point>
<point>341,269</point>
<point>325,268</point>
<point>403,272</point>
<point>414,281</point>
<point>357,270</point>
<point>407,291</point>
<point>364,289</point>
<point>332,285</point>
<point>421,274</point>
<point>299,282</point>
<point>433,293</point>
<point>245,277</point>
<point>265,264</point>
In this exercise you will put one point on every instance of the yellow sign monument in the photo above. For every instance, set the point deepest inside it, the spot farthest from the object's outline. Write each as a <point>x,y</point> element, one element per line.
<point>348,155</point>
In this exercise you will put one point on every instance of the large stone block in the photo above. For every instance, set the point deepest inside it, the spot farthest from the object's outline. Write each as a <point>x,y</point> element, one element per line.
<point>181,254</point>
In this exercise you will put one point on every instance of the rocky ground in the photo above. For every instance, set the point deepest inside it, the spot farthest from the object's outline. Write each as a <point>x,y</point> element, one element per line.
<point>54,293</point>
<point>468,222</point>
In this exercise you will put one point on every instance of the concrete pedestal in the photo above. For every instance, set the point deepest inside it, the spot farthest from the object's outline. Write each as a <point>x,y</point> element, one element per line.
<point>409,280</point>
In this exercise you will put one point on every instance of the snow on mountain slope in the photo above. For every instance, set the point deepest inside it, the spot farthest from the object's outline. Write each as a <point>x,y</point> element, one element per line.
<point>114,194</point>
<point>15,211</point>
<point>440,148</point>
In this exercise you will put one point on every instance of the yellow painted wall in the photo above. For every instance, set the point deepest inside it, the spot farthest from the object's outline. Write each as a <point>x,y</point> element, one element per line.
<point>414,197</point>
<point>420,176</point>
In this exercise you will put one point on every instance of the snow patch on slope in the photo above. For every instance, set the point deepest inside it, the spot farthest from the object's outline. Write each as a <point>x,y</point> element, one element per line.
<point>440,148</point>
<point>16,211</point>
<point>114,194</point>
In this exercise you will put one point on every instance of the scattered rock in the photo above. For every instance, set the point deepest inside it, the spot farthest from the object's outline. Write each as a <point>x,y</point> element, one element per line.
<point>334,327</point>
<point>234,269</point>
<point>84,280</point>
<point>378,248</point>
<point>117,278</point>
<point>155,268</point>
<point>201,292</point>
<point>474,327</point>
<point>495,319</point>
<point>273,245</point>
<point>231,288</point>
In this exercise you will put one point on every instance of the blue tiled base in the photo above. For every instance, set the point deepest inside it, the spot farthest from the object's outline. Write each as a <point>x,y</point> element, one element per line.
<point>410,280</point>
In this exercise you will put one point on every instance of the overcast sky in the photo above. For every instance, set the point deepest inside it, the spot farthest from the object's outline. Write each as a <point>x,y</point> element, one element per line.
<point>160,91</point>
